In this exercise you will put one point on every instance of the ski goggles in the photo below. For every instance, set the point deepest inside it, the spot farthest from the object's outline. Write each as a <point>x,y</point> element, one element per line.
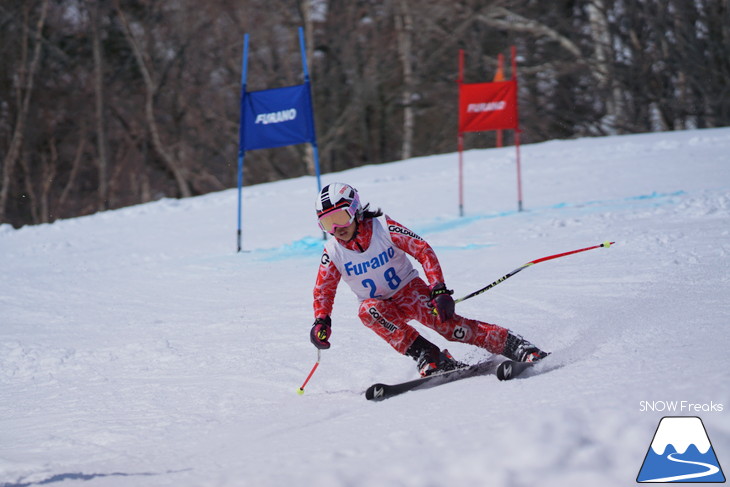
<point>337,219</point>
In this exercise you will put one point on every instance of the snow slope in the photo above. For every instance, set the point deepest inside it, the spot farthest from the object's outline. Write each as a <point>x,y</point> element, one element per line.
<point>138,348</point>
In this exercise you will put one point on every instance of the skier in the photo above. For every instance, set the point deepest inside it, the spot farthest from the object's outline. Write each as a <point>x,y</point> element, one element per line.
<point>369,252</point>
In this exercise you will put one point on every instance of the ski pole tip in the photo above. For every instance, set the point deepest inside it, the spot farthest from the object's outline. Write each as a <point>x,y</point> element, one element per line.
<point>607,244</point>
<point>300,391</point>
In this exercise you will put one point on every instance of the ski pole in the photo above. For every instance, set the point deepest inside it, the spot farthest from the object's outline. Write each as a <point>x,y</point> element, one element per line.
<point>300,391</point>
<point>605,244</point>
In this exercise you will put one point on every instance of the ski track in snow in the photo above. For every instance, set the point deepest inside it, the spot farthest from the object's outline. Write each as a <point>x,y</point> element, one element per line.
<point>137,348</point>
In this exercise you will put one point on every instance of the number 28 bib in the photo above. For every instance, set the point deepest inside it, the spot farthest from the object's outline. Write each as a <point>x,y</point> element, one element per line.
<point>379,272</point>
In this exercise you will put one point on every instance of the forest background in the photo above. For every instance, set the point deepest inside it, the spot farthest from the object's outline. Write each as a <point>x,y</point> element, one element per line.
<point>110,103</point>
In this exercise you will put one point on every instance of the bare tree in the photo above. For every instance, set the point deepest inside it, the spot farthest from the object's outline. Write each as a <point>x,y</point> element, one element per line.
<point>110,103</point>
<point>151,84</point>
<point>603,62</point>
<point>101,135</point>
<point>26,75</point>
<point>404,28</point>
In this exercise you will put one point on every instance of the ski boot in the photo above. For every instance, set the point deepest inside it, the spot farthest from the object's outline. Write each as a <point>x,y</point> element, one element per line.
<point>430,360</point>
<point>520,350</point>
<point>444,362</point>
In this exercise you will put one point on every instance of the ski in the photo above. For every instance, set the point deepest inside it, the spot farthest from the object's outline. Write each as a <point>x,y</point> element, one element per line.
<point>509,369</point>
<point>504,369</point>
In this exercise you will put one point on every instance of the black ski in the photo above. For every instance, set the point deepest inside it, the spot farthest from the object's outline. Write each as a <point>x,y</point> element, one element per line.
<point>503,368</point>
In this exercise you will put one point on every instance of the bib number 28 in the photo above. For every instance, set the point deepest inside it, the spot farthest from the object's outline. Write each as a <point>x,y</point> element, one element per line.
<point>391,278</point>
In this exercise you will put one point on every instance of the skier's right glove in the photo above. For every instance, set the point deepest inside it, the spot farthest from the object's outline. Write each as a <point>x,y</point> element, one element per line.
<point>320,333</point>
<point>442,302</point>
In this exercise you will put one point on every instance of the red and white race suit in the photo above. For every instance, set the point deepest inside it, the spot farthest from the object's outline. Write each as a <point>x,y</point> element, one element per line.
<point>375,266</point>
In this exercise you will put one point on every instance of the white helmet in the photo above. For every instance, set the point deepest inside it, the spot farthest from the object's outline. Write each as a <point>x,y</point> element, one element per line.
<point>337,196</point>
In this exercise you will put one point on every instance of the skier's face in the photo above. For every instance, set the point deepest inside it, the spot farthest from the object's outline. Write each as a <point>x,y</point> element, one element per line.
<point>345,233</point>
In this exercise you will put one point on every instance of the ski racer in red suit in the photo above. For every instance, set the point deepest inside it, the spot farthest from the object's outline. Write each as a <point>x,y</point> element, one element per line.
<point>368,252</point>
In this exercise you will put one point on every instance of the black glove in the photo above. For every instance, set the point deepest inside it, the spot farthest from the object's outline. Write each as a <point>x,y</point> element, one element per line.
<point>320,333</point>
<point>442,301</point>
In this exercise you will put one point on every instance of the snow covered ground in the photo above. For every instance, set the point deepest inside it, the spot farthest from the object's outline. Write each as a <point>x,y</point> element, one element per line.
<point>138,348</point>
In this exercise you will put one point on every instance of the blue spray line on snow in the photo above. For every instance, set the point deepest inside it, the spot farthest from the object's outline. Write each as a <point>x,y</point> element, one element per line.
<point>446,225</point>
<point>312,246</point>
<point>304,247</point>
<point>597,205</point>
<point>620,203</point>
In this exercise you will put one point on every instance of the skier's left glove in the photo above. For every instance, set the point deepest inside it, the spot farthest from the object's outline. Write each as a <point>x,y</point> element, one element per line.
<point>320,333</point>
<point>442,301</point>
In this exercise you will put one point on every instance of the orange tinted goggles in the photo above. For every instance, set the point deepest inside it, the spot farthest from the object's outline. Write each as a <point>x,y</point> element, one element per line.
<point>336,219</point>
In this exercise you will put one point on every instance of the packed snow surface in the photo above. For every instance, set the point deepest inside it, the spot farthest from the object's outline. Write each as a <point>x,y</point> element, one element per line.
<point>137,347</point>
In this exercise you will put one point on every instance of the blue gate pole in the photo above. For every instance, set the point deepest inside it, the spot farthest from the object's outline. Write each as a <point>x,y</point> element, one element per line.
<point>241,144</point>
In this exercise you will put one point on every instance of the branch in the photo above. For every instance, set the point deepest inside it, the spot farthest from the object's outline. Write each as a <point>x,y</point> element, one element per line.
<point>502,18</point>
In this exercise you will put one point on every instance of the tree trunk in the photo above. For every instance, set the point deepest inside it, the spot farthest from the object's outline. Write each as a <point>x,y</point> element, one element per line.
<point>603,62</point>
<point>75,166</point>
<point>101,136</point>
<point>404,28</point>
<point>25,90</point>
